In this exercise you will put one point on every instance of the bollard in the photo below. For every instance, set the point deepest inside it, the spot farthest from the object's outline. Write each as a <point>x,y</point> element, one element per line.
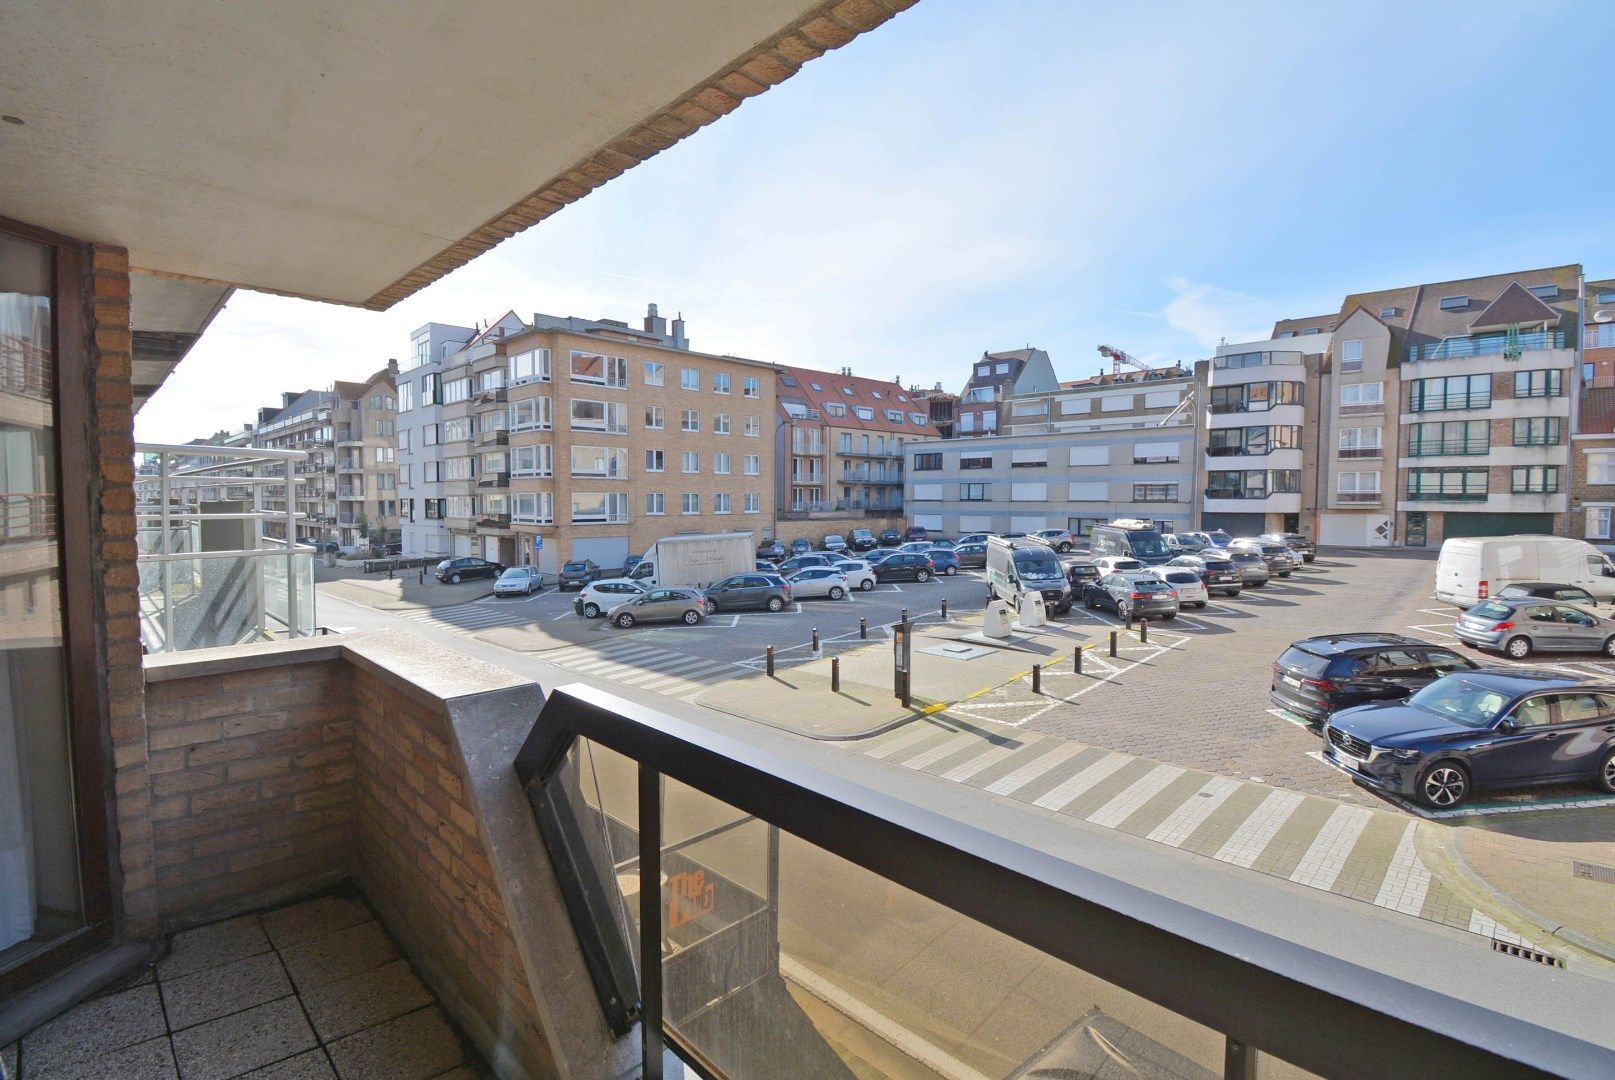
<point>944,611</point>
<point>815,639</point>
<point>389,571</point>
<point>1144,631</point>
<point>1076,659</point>
<point>1129,619</point>
<point>423,573</point>
<point>770,656</point>
<point>904,619</point>
<point>863,629</point>
<point>1113,643</point>
<point>835,674</point>
<point>1037,678</point>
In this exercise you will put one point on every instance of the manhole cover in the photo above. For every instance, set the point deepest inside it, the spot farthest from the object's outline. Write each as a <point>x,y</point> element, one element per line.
<point>957,651</point>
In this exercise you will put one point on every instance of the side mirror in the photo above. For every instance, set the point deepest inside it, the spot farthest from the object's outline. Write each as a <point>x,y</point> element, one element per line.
<point>1506,725</point>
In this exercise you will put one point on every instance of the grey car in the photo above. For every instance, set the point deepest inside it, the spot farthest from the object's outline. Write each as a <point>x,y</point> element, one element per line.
<point>1279,558</point>
<point>1518,627</point>
<point>817,581</point>
<point>662,605</point>
<point>1132,594</point>
<point>1252,567</point>
<point>971,556</point>
<point>749,592</point>
<point>578,573</point>
<point>802,562</point>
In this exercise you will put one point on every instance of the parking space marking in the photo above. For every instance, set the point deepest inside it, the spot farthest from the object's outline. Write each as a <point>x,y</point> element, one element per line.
<point>1291,718</point>
<point>1257,830</point>
<point>1182,822</point>
<point>1327,855</point>
<point>1120,808</point>
<point>1014,781</point>
<point>1066,791</point>
<point>1407,882</point>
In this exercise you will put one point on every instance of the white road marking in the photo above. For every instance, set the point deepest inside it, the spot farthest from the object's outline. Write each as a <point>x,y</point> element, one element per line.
<point>1257,831</point>
<point>1012,782</point>
<point>1329,849</point>
<point>937,753</point>
<point>902,742</point>
<point>1406,880</point>
<point>1183,821</point>
<point>1486,926</point>
<point>1141,791</point>
<point>990,756</point>
<point>1070,789</point>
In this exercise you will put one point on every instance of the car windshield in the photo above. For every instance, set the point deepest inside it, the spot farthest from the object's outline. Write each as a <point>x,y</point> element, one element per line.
<point>1246,556</point>
<point>1037,564</point>
<point>1147,543</point>
<point>575,566</point>
<point>1182,579</point>
<point>514,573</point>
<point>1126,564</point>
<point>1149,584</point>
<point>1491,609</point>
<point>1303,661</point>
<point>1469,703</point>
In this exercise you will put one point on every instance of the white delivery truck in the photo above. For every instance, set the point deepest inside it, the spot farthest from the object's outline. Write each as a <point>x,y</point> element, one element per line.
<point>696,560</point>
<point>1472,569</point>
<point>1017,569</point>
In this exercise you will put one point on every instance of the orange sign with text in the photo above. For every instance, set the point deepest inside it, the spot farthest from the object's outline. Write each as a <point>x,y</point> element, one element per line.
<point>692,897</point>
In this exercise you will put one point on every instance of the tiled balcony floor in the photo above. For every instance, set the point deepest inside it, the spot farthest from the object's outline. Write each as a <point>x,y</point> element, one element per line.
<point>314,990</point>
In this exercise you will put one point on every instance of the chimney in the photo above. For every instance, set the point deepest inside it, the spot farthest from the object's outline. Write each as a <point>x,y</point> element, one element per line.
<point>679,340</point>
<point>654,323</point>
<point>286,399</point>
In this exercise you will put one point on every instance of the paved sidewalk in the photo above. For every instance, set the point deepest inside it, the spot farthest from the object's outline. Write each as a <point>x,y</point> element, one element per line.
<point>404,592</point>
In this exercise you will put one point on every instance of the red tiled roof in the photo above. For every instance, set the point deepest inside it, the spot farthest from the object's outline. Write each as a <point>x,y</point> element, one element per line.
<point>833,387</point>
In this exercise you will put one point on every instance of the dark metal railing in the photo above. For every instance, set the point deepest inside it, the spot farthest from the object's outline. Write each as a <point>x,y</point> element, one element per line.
<point>1264,992</point>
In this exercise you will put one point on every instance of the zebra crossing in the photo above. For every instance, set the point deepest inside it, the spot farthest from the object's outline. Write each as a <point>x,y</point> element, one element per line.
<point>648,667</point>
<point>471,617</point>
<point>1362,854</point>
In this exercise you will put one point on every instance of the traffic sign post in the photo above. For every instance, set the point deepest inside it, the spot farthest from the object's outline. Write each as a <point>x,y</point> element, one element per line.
<point>902,660</point>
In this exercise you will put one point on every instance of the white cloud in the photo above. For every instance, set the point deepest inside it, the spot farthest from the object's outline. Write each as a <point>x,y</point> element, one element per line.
<point>1211,314</point>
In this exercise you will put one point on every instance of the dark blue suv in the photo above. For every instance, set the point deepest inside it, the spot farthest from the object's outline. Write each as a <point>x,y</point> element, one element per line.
<point>1491,728</point>
<point>1319,676</point>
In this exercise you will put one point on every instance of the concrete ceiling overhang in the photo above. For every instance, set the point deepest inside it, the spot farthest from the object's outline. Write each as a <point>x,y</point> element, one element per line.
<point>356,152</point>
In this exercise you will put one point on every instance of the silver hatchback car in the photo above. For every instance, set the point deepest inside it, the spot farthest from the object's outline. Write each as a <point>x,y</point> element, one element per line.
<point>662,605</point>
<point>1518,627</point>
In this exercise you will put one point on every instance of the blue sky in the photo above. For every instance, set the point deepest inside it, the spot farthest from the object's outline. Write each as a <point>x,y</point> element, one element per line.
<point>1153,176</point>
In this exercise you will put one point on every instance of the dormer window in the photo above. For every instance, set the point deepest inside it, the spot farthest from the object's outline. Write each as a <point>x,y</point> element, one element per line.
<point>1454,303</point>
<point>1544,292</point>
<point>1388,312</point>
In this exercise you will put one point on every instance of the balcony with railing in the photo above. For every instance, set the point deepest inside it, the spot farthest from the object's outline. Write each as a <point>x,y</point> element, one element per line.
<point>349,466</point>
<point>497,437</point>
<point>1509,343</point>
<point>496,395</point>
<point>349,437</point>
<point>1357,498</point>
<point>1361,452</point>
<point>493,521</point>
<point>494,480</point>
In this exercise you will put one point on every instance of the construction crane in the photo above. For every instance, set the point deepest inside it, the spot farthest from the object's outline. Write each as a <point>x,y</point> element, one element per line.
<point>1117,358</point>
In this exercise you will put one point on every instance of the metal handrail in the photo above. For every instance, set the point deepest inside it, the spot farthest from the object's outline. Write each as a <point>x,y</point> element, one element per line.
<point>1485,345</point>
<point>1318,1011</point>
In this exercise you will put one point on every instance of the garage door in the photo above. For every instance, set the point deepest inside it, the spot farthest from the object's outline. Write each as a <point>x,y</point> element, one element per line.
<point>1354,530</point>
<point>606,551</point>
<point>1496,524</point>
<point>464,545</point>
<point>1235,524</point>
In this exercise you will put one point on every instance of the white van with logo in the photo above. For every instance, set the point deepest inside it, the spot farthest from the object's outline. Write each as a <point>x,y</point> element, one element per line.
<point>1472,569</point>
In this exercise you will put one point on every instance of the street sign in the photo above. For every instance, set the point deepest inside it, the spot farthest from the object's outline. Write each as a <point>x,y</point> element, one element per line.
<point>902,660</point>
<point>538,543</point>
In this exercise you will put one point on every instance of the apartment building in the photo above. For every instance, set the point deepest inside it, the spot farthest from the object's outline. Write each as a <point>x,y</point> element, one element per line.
<point>565,438</point>
<point>1112,446</point>
<point>1257,401</point>
<point>839,439</point>
<point>364,421</point>
<point>301,422</point>
<point>996,378</point>
<point>1592,447</point>
<point>942,405</point>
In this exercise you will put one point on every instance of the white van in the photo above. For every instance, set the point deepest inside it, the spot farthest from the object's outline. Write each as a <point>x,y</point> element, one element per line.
<point>1021,566</point>
<point>1472,569</point>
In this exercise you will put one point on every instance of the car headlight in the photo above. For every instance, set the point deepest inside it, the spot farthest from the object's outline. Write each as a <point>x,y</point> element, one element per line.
<point>1403,755</point>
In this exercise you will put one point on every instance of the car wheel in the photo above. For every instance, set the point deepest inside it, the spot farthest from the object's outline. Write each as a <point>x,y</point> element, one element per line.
<point>692,617</point>
<point>1605,779</point>
<point>1443,785</point>
<point>1169,618</point>
<point>591,611</point>
<point>1121,610</point>
<point>867,584</point>
<point>1200,604</point>
<point>776,604</point>
<point>1517,648</point>
<point>950,571</point>
<point>922,575</point>
<point>1285,574</point>
<point>454,579</point>
<point>837,592</point>
<point>1609,647</point>
<point>1065,549</point>
<point>625,620</point>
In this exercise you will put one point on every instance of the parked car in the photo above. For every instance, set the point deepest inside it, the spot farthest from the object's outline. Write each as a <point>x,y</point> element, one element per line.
<point>1130,537</point>
<point>858,573</point>
<point>598,597</point>
<point>578,573</point>
<point>455,571</point>
<point>1080,572</point>
<point>1219,575</point>
<point>916,545</point>
<point>1319,676</point>
<point>748,592</point>
<point>916,532</point>
<point>972,556</point>
<point>834,543</point>
<point>1186,583</point>
<point>1472,730</point>
<point>937,541</point>
<point>816,582</point>
<point>629,563</point>
<point>972,538</point>
<point>1547,590</point>
<point>802,562</point>
<point>772,550</point>
<point>523,580</point>
<point>1519,627</point>
<point>1061,540</point>
<point>891,537</point>
<point>766,567</point>
<point>1191,542</point>
<point>904,566</point>
<point>1253,572</point>
<point>1135,594</point>
<point>862,540</point>
<point>1113,564</point>
<point>1278,557</point>
<point>801,546</point>
<point>661,605</point>
<point>878,555</point>
<point>1219,538</point>
<point>946,562</point>
<point>1302,547</point>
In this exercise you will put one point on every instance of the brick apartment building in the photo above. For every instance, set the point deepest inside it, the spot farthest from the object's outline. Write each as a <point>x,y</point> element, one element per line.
<point>1592,447</point>
<point>364,419</point>
<point>994,379</point>
<point>567,438</point>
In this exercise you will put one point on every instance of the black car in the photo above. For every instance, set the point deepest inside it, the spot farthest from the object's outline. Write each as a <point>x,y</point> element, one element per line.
<point>972,556</point>
<point>772,550</point>
<point>891,537</point>
<point>904,566</point>
<point>918,532</point>
<point>1547,590</point>
<point>862,540</point>
<point>1319,676</point>
<point>801,546</point>
<point>455,571</point>
<point>578,573</point>
<point>1301,545</point>
<point>1079,573</point>
<point>748,592</point>
<point>1490,728</point>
